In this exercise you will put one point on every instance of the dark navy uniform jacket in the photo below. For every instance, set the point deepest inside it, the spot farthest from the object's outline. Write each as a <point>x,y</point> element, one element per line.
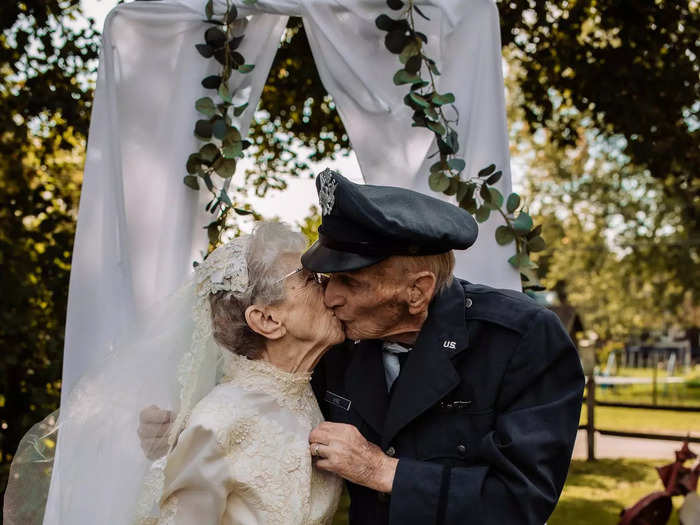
<point>482,417</point>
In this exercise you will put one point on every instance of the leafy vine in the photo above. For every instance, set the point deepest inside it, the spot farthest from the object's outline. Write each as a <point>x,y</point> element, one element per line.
<point>223,143</point>
<point>474,194</point>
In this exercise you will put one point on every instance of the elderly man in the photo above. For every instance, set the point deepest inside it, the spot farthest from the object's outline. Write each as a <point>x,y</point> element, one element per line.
<point>456,403</point>
<point>451,402</point>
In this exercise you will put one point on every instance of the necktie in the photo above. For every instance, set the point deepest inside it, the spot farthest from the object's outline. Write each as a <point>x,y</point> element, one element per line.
<point>393,357</point>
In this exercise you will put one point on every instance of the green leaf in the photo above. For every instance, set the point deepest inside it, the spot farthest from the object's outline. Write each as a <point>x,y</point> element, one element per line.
<point>466,189</point>
<point>436,127</point>
<point>457,164</point>
<point>438,181</point>
<point>523,223</point>
<point>495,199</point>
<point>433,67</point>
<point>419,85</point>
<point>485,193</point>
<point>453,187</point>
<point>421,13</point>
<point>513,202</point>
<point>410,49</point>
<point>212,82</point>
<point>493,179</point>
<point>504,235</point>
<point>208,153</point>
<point>419,100</point>
<point>235,42</point>
<point>193,164</point>
<point>209,9</point>
<point>404,77</point>
<point>237,59</point>
<point>225,168</point>
<point>205,50</point>
<point>241,211</point>
<point>535,232</point>
<point>231,145</point>
<point>232,14</point>
<point>206,106</point>
<point>246,68</point>
<point>213,233</point>
<point>215,37</point>
<point>396,40</point>
<point>223,197</point>
<point>488,170</point>
<point>433,115</point>
<point>444,147</point>
<point>238,110</point>
<point>219,128</point>
<point>452,141</point>
<point>438,166</point>
<point>414,64</point>
<point>191,182</point>
<point>224,94</point>
<point>395,4</point>
<point>203,129</point>
<point>536,244</point>
<point>441,100</point>
<point>469,204</point>
<point>482,214</point>
<point>521,261</point>
<point>386,23</point>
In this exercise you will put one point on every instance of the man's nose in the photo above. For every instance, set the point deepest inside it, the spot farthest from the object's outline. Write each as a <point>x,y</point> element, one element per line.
<point>331,297</point>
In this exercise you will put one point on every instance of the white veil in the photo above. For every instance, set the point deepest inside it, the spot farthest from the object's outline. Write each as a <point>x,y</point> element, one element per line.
<point>100,473</point>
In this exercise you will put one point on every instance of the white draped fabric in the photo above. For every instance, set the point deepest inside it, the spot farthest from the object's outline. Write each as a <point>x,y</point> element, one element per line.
<point>140,228</point>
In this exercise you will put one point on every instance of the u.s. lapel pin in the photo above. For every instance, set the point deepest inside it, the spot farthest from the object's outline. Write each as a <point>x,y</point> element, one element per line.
<point>450,345</point>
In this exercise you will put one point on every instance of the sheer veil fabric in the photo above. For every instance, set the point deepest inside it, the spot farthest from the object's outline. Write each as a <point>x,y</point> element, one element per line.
<point>139,228</point>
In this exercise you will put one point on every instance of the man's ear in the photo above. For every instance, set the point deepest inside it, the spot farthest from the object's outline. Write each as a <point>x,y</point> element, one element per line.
<point>421,291</point>
<point>264,321</point>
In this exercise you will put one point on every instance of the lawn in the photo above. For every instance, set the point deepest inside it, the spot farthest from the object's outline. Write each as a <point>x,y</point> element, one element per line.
<point>594,492</point>
<point>597,492</point>
<point>642,420</point>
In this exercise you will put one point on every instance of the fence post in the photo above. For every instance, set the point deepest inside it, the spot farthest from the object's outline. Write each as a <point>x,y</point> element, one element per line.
<point>655,374</point>
<point>590,413</point>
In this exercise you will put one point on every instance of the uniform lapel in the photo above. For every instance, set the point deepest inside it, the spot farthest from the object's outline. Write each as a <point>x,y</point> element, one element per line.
<point>366,384</point>
<point>428,374</point>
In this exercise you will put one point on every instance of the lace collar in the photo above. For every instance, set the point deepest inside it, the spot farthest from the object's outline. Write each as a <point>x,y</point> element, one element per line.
<point>259,375</point>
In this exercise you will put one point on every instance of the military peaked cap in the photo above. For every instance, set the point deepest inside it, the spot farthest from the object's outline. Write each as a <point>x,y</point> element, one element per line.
<point>363,224</point>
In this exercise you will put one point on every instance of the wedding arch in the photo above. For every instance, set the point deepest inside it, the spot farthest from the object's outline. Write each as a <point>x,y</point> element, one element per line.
<point>417,83</point>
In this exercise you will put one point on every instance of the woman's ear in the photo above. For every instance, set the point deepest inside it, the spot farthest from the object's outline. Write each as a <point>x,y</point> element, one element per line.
<point>421,292</point>
<point>264,321</point>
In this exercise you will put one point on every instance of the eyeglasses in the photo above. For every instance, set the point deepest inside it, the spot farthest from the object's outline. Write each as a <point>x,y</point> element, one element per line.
<point>319,278</point>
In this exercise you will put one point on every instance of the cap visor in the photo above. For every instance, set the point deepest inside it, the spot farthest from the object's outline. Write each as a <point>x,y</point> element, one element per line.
<point>322,259</point>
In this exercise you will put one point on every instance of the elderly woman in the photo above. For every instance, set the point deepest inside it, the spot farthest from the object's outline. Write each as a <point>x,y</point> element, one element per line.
<point>242,456</point>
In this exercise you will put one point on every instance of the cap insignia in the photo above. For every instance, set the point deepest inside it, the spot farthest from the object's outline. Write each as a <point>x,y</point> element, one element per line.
<point>326,194</point>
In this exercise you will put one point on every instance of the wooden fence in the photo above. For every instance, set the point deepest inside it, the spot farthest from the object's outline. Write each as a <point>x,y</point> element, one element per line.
<point>591,429</point>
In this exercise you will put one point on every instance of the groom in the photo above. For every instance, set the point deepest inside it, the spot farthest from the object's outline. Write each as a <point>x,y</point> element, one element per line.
<point>451,402</point>
<point>456,403</point>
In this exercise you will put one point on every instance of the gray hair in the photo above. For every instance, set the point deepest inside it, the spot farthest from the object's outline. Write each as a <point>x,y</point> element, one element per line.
<point>268,242</point>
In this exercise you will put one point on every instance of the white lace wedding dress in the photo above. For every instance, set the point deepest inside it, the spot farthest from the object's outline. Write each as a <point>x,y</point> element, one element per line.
<point>243,457</point>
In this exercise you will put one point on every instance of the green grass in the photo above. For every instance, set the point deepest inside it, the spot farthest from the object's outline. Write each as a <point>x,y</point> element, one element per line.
<point>642,420</point>
<point>597,492</point>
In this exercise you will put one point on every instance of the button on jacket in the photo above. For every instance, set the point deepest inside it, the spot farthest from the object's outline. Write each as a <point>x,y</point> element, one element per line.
<point>483,416</point>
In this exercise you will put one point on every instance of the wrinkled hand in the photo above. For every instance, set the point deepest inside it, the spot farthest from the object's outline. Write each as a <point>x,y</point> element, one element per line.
<point>341,449</point>
<point>154,424</point>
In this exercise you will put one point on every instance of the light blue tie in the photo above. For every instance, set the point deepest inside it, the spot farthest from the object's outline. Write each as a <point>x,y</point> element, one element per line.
<point>390,358</point>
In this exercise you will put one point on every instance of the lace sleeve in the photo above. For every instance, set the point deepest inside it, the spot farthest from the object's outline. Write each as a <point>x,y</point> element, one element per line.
<point>198,480</point>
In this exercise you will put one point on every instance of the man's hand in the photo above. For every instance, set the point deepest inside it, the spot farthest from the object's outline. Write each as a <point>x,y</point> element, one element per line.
<point>341,449</point>
<point>154,424</point>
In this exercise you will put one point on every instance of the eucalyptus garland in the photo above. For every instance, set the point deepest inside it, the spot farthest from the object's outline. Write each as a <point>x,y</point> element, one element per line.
<point>431,110</point>
<point>222,144</point>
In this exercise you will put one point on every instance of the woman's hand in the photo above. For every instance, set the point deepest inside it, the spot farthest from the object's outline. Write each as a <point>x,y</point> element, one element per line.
<point>341,449</point>
<point>154,425</point>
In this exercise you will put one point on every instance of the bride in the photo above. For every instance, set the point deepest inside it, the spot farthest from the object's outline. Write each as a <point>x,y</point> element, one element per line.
<point>249,330</point>
<point>243,455</point>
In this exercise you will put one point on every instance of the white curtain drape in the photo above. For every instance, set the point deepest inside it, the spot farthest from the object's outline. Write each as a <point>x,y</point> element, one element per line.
<point>140,228</point>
